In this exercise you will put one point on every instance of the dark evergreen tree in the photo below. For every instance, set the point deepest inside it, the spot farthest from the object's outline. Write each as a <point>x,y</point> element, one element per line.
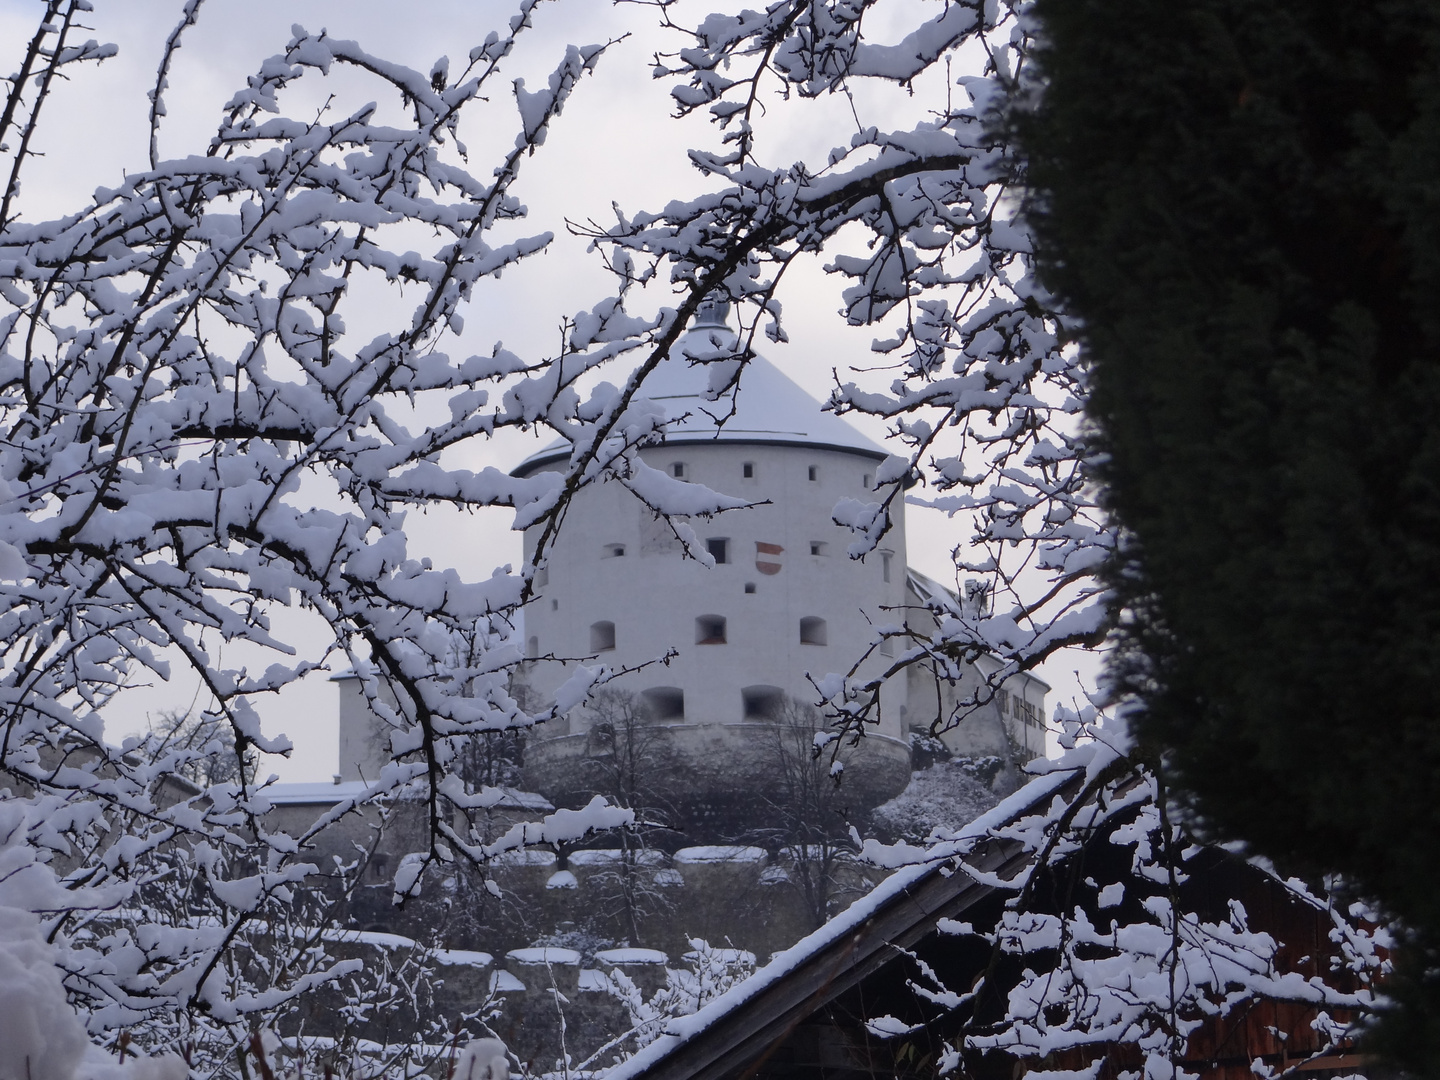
<point>1241,204</point>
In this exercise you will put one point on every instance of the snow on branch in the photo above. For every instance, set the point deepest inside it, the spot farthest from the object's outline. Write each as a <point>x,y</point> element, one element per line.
<point>196,439</point>
<point>923,226</point>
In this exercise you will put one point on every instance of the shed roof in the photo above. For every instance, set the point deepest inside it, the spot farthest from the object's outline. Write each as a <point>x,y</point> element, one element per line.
<point>741,1023</point>
<point>813,1011</point>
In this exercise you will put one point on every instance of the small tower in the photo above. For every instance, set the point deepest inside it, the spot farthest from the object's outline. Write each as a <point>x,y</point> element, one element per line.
<point>783,600</point>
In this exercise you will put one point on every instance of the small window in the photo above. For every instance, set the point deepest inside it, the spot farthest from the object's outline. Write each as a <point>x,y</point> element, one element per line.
<point>554,605</point>
<point>762,702</point>
<point>602,636</point>
<point>812,630</point>
<point>814,472</point>
<point>1004,699</point>
<point>710,630</point>
<point>865,481</point>
<point>885,557</point>
<point>677,470</point>
<point>817,547</point>
<point>748,470</point>
<point>719,549</point>
<point>664,703</point>
<point>532,647</point>
<point>614,551</point>
<point>749,587</point>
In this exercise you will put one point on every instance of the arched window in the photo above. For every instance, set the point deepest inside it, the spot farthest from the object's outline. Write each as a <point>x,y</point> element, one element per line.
<point>602,636</point>
<point>812,630</point>
<point>532,647</point>
<point>664,703</point>
<point>710,630</point>
<point>762,702</point>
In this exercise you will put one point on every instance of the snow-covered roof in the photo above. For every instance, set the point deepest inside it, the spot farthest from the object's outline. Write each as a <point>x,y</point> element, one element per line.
<point>720,853</point>
<point>632,956</point>
<point>378,940</point>
<point>322,792</point>
<point>767,408</point>
<point>540,955</point>
<point>681,1031</point>
<point>930,591</point>
<point>318,791</point>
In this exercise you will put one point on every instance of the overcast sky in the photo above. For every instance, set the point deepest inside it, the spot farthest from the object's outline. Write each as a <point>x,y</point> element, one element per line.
<point>615,142</point>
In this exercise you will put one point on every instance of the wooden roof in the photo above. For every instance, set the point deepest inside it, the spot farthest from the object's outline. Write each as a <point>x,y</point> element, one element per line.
<point>740,1027</point>
<point>807,1013</point>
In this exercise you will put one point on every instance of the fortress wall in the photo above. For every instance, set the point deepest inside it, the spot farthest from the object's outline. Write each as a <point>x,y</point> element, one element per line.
<point>653,596</point>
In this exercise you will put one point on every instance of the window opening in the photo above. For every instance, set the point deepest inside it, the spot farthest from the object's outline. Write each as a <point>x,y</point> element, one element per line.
<point>664,703</point>
<point>748,470</point>
<point>817,547</point>
<point>677,470</point>
<point>532,647</point>
<point>710,630</point>
<point>614,551</point>
<point>812,630</point>
<point>762,702</point>
<point>719,549</point>
<point>1004,699</point>
<point>885,557</point>
<point>814,473</point>
<point>602,636</point>
<point>865,481</point>
<point>749,586</point>
<point>554,605</point>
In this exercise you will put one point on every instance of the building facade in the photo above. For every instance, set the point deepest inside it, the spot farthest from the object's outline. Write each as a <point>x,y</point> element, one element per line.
<point>782,606</point>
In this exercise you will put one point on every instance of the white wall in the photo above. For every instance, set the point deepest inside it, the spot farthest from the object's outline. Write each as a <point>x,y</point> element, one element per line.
<point>653,595</point>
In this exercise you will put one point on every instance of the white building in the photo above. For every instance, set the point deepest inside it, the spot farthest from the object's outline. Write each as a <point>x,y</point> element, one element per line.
<point>783,603</point>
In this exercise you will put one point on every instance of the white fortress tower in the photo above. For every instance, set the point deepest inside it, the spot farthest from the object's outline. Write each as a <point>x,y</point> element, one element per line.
<point>782,603</point>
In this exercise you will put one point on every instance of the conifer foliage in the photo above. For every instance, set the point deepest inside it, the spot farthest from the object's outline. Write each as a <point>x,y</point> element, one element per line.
<point>1240,204</point>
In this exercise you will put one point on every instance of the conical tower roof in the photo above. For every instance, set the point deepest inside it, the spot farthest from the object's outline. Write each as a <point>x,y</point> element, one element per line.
<point>768,408</point>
